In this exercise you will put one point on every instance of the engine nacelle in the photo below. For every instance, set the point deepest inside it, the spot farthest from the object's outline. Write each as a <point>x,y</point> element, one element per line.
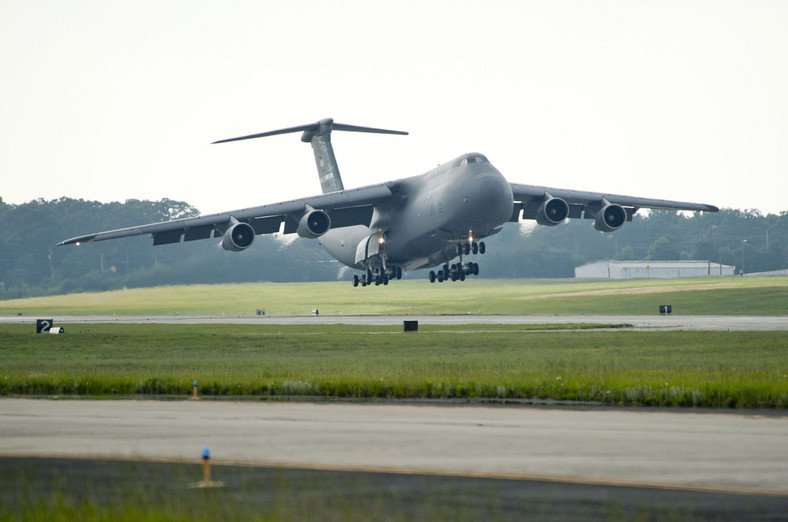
<point>552,212</point>
<point>314,224</point>
<point>610,217</point>
<point>238,237</point>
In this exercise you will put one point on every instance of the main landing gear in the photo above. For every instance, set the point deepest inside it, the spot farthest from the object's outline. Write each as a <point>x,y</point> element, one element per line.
<point>378,276</point>
<point>458,271</point>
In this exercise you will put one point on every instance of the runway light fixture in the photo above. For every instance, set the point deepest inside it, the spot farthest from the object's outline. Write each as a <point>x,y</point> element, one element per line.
<point>206,472</point>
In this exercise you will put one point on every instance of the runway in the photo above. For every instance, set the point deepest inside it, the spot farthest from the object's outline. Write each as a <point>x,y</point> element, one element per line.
<point>721,452</point>
<point>662,322</point>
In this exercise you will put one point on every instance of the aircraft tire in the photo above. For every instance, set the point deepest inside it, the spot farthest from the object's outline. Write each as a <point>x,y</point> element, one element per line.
<point>475,248</point>
<point>482,248</point>
<point>355,280</point>
<point>466,248</point>
<point>432,276</point>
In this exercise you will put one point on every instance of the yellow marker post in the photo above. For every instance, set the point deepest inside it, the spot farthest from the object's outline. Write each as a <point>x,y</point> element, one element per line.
<point>206,472</point>
<point>206,466</point>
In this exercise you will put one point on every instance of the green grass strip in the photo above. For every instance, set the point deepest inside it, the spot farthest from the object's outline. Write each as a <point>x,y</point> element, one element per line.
<point>699,296</point>
<point>655,368</point>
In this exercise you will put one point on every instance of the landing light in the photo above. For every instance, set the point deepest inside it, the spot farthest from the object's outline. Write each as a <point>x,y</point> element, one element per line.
<point>381,240</point>
<point>78,243</point>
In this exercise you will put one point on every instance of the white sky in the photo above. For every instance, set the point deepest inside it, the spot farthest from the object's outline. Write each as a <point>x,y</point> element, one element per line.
<point>112,100</point>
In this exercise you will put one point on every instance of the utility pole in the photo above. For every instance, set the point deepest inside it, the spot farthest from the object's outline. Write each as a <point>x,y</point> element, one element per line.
<point>51,267</point>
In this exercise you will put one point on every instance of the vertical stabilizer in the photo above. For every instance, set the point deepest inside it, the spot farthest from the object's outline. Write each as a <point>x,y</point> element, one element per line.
<point>319,135</point>
<point>325,160</point>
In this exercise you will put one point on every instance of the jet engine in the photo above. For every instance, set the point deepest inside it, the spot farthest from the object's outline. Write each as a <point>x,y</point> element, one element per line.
<point>552,212</point>
<point>314,224</point>
<point>610,217</point>
<point>238,237</point>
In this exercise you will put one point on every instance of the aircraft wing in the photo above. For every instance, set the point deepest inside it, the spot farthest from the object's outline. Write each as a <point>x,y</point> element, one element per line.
<point>345,208</point>
<point>529,198</point>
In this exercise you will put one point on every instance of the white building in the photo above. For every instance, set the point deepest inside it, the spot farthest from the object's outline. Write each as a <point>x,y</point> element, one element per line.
<point>651,269</point>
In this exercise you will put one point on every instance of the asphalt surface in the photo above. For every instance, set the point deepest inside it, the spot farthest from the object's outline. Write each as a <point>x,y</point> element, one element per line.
<point>665,322</point>
<point>164,489</point>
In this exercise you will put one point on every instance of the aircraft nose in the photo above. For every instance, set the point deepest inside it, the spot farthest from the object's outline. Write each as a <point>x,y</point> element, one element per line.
<point>494,198</point>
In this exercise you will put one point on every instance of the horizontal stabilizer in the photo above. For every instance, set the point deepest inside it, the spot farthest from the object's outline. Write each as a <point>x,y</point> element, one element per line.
<point>320,128</point>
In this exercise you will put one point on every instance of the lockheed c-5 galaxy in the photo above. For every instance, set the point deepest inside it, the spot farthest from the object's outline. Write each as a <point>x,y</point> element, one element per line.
<point>412,223</point>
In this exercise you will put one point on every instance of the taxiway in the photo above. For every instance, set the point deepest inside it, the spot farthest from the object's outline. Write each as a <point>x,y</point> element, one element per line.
<point>664,322</point>
<point>723,452</point>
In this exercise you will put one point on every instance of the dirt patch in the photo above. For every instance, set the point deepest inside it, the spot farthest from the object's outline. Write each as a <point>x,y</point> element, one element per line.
<point>628,291</point>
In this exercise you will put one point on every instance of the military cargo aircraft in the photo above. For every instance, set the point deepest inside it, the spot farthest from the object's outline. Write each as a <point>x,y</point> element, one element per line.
<point>412,223</point>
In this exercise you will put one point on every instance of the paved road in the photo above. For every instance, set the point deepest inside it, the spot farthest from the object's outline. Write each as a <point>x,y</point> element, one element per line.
<point>668,322</point>
<point>720,451</point>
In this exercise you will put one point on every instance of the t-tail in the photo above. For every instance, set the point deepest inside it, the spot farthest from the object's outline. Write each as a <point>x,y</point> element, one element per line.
<point>319,135</point>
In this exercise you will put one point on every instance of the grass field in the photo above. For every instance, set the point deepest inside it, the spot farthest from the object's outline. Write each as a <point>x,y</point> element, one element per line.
<point>654,368</point>
<point>701,296</point>
<point>699,369</point>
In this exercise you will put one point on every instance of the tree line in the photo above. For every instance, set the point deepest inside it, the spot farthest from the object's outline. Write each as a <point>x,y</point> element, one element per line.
<point>31,264</point>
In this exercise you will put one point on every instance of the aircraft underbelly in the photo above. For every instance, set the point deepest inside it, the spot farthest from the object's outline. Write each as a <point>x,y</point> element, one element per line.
<point>342,243</point>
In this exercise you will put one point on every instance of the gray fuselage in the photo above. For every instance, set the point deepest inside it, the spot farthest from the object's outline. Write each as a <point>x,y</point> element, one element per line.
<point>461,201</point>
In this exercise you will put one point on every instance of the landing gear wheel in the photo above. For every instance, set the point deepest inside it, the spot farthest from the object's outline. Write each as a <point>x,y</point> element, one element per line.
<point>432,276</point>
<point>355,280</point>
<point>399,272</point>
<point>475,248</point>
<point>466,248</point>
<point>482,248</point>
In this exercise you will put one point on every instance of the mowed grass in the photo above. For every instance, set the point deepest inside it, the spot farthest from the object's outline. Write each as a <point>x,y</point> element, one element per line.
<point>655,368</point>
<point>700,296</point>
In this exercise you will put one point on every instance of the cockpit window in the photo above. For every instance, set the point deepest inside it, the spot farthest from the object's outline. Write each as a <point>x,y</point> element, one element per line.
<point>473,158</point>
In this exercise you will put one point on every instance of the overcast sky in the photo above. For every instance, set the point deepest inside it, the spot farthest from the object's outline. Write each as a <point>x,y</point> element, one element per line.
<point>108,100</point>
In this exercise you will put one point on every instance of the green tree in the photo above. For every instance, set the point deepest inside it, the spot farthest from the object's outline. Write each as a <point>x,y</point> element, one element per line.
<point>663,250</point>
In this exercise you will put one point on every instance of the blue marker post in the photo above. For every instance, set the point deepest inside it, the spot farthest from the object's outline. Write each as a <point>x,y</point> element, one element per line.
<point>194,392</point>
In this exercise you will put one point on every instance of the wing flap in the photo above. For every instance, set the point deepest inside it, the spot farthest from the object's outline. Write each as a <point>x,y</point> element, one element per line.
<point>167,237</point>
<point>266,225</point>
<point>345,217</point>
<point>195,233</point>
